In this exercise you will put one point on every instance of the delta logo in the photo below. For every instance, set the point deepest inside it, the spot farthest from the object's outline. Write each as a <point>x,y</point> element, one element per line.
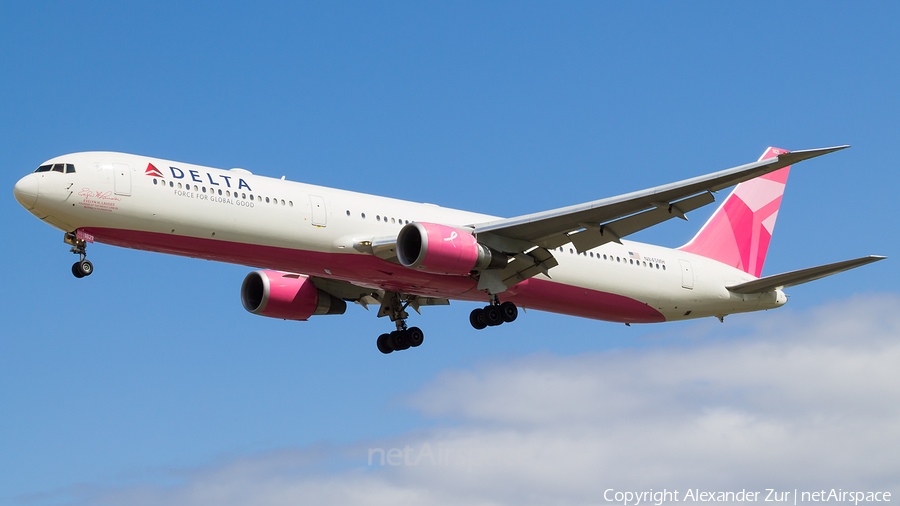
<point>177,173</point>
<point>153,171</point>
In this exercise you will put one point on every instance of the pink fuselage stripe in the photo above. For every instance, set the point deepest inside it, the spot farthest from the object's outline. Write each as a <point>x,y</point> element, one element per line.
<point>374,273</point>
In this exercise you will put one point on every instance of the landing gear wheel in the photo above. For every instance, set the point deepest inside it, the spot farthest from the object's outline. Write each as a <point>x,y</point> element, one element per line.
<point>509,311</point>
<point>414,336</point>
<point>398,340</point>
<point>76,270</point>
<point>492,316</point>
<point>383,345</point>
<point>476,318</point>
<point>86,267</point>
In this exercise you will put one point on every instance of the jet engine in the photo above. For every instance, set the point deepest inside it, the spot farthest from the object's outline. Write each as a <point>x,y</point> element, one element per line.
<point>286,296</point>
<point>439,249</point>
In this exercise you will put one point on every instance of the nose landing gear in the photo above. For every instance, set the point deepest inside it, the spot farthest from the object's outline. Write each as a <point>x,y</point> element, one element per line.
<point>493,314</point>
<point>83,267</point>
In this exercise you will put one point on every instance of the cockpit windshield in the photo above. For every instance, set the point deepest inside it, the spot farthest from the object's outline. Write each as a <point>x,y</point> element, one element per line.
<point>68,168</point>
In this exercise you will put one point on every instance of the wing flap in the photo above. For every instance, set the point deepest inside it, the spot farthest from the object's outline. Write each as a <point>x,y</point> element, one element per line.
<point>801,276</point>
<point>595,234</point>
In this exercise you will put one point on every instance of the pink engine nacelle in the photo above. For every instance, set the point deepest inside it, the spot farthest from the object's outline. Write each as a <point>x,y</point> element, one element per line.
<point>286,296</point>
<point>439,249</point>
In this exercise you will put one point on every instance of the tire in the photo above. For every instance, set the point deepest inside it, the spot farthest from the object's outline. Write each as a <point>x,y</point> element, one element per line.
<point>415,336</point>
<point>86,267</point>
<point>492,316</point>
<point>76,270</point>
<point>476,318</point>
<point>383,345</point>
<point>398,340</point>
<point>509,311</point>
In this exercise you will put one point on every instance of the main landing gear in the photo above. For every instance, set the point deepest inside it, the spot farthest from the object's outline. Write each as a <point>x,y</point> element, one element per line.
<point>400,339</point>
<point>493,314</point>
<point>404,337</point>
<point>83,267</point>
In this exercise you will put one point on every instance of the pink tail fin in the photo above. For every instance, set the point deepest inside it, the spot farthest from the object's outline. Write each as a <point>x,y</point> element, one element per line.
<point>738,233</point>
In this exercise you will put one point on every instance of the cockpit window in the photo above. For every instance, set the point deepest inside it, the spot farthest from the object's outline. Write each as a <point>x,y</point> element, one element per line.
<point>66,168</point>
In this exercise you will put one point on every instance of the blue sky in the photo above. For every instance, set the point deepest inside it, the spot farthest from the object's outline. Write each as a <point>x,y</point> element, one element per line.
<point>148,382</point>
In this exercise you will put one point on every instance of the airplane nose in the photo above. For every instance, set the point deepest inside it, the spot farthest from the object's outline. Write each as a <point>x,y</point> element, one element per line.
<point>26,191</point>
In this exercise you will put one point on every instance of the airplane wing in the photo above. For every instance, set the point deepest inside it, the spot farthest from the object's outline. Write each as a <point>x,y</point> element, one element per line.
<point>793,278</point>
<point>595,223</point>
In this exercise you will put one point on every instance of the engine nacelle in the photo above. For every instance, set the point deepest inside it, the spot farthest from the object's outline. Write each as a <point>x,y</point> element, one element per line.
<point>286,296</point>
<point>440,249</point>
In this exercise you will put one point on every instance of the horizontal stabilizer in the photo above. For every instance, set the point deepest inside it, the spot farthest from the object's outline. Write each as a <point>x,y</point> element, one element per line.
<point>792,278</point>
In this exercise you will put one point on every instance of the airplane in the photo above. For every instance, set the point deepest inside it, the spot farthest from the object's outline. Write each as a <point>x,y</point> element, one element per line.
<point>318,248</point>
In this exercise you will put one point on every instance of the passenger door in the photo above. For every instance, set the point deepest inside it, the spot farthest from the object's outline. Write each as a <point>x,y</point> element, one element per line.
<point>319,214</point>
<point>122,174</point>
<point>687,275</point>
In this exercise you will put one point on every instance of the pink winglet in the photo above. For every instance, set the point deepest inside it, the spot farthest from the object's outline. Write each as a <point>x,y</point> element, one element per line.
<point>738,233</point>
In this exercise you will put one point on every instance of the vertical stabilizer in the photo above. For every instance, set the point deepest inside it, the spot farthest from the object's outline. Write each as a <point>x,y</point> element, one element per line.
<point>738,233</point>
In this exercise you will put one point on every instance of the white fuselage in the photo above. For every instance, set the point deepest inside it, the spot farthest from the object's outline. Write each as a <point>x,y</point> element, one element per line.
<point>237,217</point>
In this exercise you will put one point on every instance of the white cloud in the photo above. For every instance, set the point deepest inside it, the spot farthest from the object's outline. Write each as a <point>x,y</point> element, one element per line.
<point>808,401</point>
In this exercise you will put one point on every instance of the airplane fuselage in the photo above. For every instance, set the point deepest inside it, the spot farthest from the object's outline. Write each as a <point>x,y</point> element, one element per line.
<point>236,217</point>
